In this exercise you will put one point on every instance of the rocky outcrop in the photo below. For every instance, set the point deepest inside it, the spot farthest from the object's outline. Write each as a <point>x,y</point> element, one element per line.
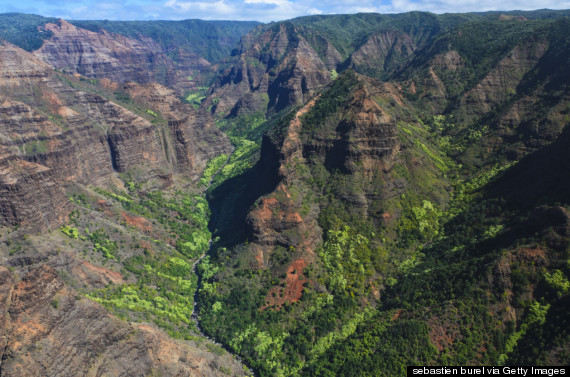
<point>30,196</point>
<point>276,219</point>
<point>47,329</point>
<point>276,68</point>
<point>365,139</point>
<point>360,139</point>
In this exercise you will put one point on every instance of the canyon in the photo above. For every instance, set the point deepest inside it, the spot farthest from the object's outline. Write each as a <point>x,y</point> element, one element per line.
<point>324,194</point>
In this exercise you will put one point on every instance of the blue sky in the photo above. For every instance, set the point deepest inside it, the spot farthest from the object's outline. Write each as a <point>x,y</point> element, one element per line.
<point>259,10</point>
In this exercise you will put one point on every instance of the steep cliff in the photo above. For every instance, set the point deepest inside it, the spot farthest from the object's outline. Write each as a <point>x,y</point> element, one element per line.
<point>383,54</point>
<point>276,68</point>
<point>194,137</point>
<point>30,196</point>
<point>116,57</point>
<point>71,126</point>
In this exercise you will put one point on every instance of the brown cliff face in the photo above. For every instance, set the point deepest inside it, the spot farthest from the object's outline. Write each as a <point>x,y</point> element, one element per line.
<point>68,133</point>
<point>47,329</point>
<point>116,57</point>
<point>30,196</point>
<point>275,69</point>
<point>383,53</point>
<point>194,138</point>
<point>500,85</point>
<point>17,69</point>
<point>366,137</point>
<point>277,220</point>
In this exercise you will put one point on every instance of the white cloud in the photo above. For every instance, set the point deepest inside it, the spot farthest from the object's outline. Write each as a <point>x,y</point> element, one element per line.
<point>260,10</point>
<point>458,6</point>
<point>220,7</point>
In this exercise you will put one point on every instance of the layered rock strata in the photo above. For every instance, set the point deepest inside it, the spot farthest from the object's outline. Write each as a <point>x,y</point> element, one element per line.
<point>65,134</point>
<point>47,329</point>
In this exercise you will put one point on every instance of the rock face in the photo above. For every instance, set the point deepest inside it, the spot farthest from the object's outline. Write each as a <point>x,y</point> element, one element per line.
<point>30,196</point>
<point>383,53</point>
<point>17,68</point>
<point>500,85</point>
<point>115,57</point>
<point>276,68</point>
<point>276,220</point>
<point>365,139</point>
<point>194,139</point>
<point>65,134</point>
<point>46,329</point>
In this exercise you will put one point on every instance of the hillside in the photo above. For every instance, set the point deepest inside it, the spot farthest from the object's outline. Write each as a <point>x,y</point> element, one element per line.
<point>324,196</point>
<point>388,218</point>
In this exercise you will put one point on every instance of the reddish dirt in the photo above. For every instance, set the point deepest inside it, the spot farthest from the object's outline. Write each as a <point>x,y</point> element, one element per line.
<point>88,272</point>
<point>397,315</point>
<point>444,329</point>
<point>145,245</point>
<point>413,88</point>
<point>108,84</point>
<point>293,290</point>
<point>533,253</point>
<point>265,211</point>
<point>439,338</point>
<point>103,206</point>
<point>140,223</point>
<point>259,256</point>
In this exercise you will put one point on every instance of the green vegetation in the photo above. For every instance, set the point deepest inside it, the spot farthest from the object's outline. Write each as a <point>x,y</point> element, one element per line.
<point>330,102</point>
<point>212,167</point>
<point>70,231</point>
<point>186,216</point>
<point>102,244</point>
<point>557,281</point>
<point>348,259</point>
<point>24,30</point>
<point>536,316</point>
<point>195,98</point>
<point>165,285</point>
<point>163,294</point>
<point>35,147</point>
<point>149,111</point>
<point>239,161</point>
<point>212,40</point>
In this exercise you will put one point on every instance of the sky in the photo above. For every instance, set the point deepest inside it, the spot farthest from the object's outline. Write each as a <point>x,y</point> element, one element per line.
<point>253,10</point>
